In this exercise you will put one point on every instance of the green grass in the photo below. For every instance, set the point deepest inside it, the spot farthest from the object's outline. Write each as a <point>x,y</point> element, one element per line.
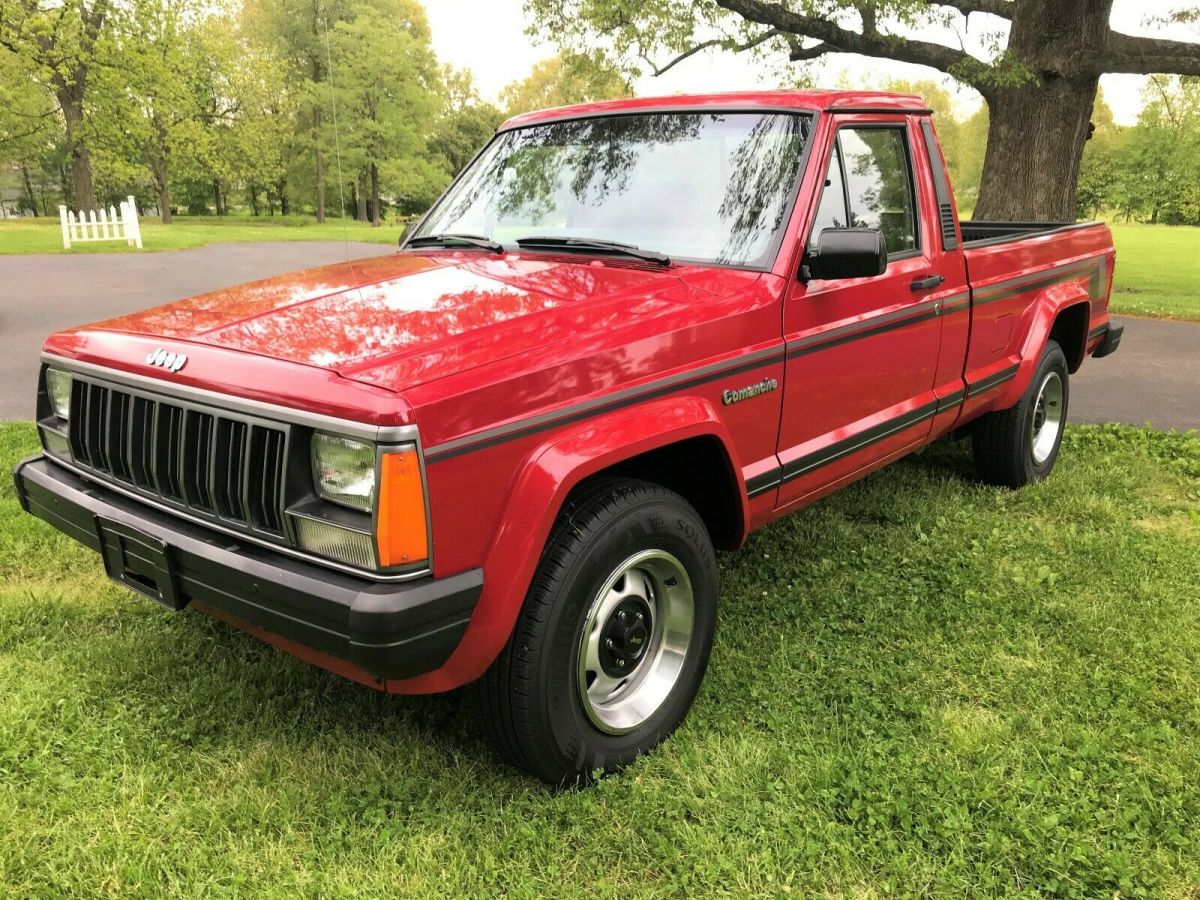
<point>920,687</point>
<point>1158,271</point>
<point>21,236</point>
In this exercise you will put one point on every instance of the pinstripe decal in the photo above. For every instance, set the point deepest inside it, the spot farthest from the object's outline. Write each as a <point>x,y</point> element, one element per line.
<point>578,411</point>
<point>986,384</point>
<point>835,451</point>
<point>1095,268</point>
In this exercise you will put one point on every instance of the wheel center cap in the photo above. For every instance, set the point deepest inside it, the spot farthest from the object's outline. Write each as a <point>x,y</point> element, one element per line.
<point>625,636</point>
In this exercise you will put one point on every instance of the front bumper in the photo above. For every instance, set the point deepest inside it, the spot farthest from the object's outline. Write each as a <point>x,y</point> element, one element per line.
<point>387,631</point>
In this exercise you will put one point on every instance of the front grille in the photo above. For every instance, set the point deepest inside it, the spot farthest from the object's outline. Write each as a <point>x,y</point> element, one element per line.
<point>225,468</point>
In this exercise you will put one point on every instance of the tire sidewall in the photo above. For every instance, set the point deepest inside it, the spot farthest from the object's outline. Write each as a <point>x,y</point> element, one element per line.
<point>1053,360</point>
<point>649,524</point>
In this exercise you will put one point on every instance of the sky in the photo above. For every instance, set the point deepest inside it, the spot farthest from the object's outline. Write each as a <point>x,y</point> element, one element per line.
<point>488,37</point>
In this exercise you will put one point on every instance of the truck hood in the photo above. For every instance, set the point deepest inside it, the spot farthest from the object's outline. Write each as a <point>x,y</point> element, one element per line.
<point>401,320</point>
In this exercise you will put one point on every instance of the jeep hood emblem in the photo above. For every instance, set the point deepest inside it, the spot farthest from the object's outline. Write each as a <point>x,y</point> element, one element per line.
<point>165,359</point>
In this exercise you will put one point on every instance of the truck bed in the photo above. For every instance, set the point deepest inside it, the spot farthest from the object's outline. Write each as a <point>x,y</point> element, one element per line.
<point>980,234</point>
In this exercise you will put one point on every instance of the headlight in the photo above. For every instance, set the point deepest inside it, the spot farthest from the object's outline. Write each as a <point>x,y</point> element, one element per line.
<point>58,390</point>
<point>344,471</point>
<point>396,534</point>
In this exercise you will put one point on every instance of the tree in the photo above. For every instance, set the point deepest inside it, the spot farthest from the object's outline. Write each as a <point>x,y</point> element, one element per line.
<point>1098,170</point>
<point>29,124</point>
<point>1157,164</point>
<point>1039,80</point>
<point>563,80</point>
<point>465,125</point>
<point>63,42</point>
<point>301,31</point>
<point>387,87</point>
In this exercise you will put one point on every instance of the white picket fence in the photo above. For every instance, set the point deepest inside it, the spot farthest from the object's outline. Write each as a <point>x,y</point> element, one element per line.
<point>109,225</point>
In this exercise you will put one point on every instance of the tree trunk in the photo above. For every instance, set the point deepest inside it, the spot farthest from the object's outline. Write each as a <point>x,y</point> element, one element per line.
<point>164,200</point>
<point>360,197</point>
<point>376,219</point>
<point>218,199</point>
<point>320,166</point>
<point>1038,128</point>
<point>1034,151</point>
<point>29,195</point>
<point>284,207</point>
<point>70,98</point>
<point>254,199</point>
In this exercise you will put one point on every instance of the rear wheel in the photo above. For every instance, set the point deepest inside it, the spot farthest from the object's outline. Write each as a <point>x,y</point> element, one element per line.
<point>614,637</point>
<point>1018,446</point>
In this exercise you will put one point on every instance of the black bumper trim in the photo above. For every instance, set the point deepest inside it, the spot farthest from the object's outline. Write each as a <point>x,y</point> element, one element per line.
<point>1110,342</point>
<point>388,630</point>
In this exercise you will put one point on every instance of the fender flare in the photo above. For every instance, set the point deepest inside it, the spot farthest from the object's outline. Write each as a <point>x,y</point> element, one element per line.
<point>1043,312</point>
<point>550,472</point>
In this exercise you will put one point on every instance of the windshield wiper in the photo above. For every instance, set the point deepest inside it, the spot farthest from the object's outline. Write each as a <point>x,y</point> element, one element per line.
<point>442,240</point>
<point>594,244</point>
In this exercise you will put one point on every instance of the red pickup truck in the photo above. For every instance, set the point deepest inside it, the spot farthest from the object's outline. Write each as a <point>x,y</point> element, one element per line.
<point>628,333</point>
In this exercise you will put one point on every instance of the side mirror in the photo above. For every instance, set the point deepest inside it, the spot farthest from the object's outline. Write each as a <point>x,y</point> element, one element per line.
<point>847,253</point>
<point>408,229</point>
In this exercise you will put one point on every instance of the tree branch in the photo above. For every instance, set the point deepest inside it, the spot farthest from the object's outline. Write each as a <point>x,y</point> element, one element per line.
<point>1001,8</point>
<point>922,53</point>
<point>800,53</point>
<point>1146,56</point>
<point>705,45</point>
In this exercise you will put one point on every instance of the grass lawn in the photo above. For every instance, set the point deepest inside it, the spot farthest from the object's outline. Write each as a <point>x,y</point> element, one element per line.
<point>45,235</point>
<point>1158,271</point>
<point>920,686</point>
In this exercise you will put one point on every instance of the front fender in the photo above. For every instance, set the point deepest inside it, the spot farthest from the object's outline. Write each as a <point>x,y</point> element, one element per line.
<point>550,472</point>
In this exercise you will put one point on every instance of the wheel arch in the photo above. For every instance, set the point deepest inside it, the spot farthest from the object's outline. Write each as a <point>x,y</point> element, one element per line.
<point>642,442</point>
<point>1070,331</point>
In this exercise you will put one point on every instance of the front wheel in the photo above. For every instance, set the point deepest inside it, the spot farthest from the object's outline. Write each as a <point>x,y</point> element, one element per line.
<point>614,637</point>
<point>1015,447</point>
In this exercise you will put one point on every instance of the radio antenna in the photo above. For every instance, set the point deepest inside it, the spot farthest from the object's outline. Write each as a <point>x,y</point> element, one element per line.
<point>337,143</point>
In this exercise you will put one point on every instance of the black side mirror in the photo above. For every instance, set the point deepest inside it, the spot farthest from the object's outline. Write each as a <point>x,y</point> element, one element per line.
<point>847,253</point>
<point>408,230</point>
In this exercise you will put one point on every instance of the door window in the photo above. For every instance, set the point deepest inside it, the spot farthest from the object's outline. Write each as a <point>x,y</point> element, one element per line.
<point>869,185</point>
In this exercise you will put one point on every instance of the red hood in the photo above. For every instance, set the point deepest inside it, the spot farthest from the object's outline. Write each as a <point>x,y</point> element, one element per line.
<point>405,319</point>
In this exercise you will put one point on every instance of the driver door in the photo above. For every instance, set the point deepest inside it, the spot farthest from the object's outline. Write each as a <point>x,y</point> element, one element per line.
<point>861,353</point>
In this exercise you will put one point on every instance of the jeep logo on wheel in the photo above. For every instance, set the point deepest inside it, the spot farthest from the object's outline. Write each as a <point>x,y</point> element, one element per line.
<point>165,359</point>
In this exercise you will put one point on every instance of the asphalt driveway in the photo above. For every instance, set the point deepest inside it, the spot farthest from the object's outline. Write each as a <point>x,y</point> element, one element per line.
<point>42,294</point>
<point>1153,378</point>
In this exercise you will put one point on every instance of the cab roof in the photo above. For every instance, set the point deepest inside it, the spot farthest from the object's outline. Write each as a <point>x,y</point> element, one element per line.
<point>811,101</point>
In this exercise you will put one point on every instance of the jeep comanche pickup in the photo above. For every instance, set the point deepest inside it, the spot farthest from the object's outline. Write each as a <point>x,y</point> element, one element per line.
<point>628,333</point>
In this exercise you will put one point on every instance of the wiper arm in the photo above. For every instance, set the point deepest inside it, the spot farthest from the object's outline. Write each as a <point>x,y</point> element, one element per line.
<point>442,240</point>
<point>600,246</point>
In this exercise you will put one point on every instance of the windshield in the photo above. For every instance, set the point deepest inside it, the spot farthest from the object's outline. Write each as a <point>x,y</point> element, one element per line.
<point>704,187</point>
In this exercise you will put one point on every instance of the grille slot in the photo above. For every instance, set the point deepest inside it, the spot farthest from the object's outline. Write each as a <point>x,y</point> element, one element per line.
<point>229,470</point>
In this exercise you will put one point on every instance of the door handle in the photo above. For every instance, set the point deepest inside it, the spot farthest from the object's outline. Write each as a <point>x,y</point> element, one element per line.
<point>927,283</point>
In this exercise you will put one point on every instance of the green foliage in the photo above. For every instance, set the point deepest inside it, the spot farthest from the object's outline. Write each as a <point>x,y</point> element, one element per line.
<point>1098,173</point>
<point>920,688</point>
<point>1157,164</point>
<point>465,125</point>
<point>564,80</point>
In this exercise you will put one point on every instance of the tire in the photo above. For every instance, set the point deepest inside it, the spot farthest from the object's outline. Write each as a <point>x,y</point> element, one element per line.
<point>1018,446</point>
<point>544,702</point>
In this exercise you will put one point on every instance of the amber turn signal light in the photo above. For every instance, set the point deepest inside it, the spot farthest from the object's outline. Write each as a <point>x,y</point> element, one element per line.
<point>402,533</point>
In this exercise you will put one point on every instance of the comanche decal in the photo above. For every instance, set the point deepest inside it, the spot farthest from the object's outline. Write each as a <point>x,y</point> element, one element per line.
<point>737,396</point>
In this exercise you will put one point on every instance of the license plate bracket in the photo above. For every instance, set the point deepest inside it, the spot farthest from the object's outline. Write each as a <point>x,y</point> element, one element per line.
<point>139,561</point>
